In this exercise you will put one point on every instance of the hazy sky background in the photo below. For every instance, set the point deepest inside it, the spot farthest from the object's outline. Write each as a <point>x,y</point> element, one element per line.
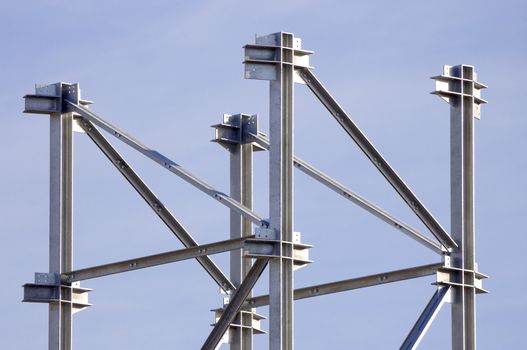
<point>164,71</point>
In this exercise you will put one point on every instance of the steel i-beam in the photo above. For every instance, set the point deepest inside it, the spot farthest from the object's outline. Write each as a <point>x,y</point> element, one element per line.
<point>274,58</point>
<point>229,134</point>
<point>458,86</point>
<point>60,221</point>
<point>48,99</point>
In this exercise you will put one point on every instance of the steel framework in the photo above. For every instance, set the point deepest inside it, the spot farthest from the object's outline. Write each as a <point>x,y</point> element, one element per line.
<point>279,59</point>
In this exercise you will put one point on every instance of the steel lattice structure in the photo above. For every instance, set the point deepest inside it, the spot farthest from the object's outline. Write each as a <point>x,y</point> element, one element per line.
<point>279,59</point>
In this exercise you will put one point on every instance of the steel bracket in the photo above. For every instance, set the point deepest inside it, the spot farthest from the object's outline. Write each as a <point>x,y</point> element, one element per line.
<point>249,320</point>
<point>450,276</point>
<point>48,289</point>
<point>49,99</point>
<point>235,129</point>
<point>261,246</point>
<point>459,82</point>
<point>262,58</point>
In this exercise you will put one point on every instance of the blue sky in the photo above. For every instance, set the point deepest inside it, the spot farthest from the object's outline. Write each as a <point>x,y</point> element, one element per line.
<point>165,71</point>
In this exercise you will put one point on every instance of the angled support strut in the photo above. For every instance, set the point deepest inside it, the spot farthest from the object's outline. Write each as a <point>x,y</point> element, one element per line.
<point>426,318</point>
<point>326,180</point>
<point>164,214</point>
<point>235,304</point>
<point>166,163</point>
<point>376,158</point>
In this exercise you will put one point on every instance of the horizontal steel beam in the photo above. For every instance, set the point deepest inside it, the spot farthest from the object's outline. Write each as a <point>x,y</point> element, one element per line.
<point>425,319</point>
<point>380,213</point>
<point>376,158</point>
<point>350,284</point>
<point>152,260</point>
<point>235,304</point>
<point>164,214</point>
<point>166,163</point>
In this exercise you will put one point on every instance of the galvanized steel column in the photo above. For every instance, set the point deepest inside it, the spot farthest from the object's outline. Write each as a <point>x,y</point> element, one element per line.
<point>241,159</point>
<point>462,215</point>
<point>60,226</point>
<point>281,197</point>
<point>275,57</point>
<point>459,87</point>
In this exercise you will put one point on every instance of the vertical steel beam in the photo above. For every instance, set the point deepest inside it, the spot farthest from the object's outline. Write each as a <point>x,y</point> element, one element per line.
<point>60,225</point>
<point>281,197</point>
<point>241,183</point>
<point>458,86</point>
<point>462,212</point>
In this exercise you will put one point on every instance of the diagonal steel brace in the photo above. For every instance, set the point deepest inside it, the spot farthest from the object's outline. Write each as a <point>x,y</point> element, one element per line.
<point>164,214</point>
<point>235,304</point>
<point>166,163</point>
<point>376,158</point>
<point>326,180</point>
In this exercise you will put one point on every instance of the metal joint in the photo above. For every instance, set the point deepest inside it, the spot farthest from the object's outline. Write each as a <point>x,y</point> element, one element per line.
<point>262,58</point>
<point>49,99</point>
<point>234,130</point>
<point>458,82</point>
<point>247,320</point>
<point>456,277</point>
<point>269,245</point>
<point>49,289</point>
